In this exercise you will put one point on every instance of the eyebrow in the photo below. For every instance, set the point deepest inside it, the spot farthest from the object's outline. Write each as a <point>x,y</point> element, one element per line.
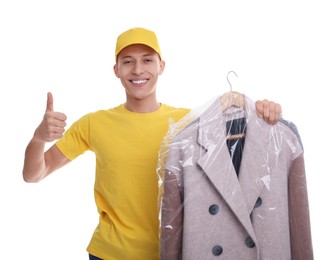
<point>145,55</point>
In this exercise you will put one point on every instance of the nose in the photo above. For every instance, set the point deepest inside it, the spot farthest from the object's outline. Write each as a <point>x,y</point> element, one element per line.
<point>138,68</point>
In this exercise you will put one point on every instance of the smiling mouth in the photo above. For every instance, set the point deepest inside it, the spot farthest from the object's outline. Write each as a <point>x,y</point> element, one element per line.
<point>139,81</point>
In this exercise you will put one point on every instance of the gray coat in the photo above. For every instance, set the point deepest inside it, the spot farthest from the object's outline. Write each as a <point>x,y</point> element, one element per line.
<point>207,212</point>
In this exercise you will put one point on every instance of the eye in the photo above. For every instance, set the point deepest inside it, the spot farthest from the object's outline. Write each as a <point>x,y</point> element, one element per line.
<point>148,60</point>
<point>127,61</point>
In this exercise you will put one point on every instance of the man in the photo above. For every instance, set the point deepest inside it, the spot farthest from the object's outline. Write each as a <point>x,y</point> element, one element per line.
<point>126,140</point>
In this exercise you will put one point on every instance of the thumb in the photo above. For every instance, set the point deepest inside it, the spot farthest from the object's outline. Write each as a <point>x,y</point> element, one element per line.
<point>49,103</point>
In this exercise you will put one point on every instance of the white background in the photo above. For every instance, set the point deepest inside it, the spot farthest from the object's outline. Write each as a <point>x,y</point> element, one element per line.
<point>280,50</point>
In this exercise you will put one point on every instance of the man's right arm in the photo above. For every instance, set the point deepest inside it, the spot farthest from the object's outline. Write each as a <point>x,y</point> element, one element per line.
<point>37,163</point>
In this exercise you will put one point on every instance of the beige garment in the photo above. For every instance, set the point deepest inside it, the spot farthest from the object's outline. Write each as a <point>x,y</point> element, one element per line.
<point>208,213</point>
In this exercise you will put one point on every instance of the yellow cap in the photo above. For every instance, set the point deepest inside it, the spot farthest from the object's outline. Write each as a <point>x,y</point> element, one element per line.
<point>137,36</point>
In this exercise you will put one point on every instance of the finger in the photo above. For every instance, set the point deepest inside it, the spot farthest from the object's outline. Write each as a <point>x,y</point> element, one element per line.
<point>263,110</point>
<point>278,110</point>
<point>276,114</point>
<point>56,130</point>
<point>58,116</point>
<point>52,136</point>
<point>49,103</point>
<point>275,111</point>
<point>58,119</point>
<point>259,108</point>
<point>272,113</point>
<point>266,110</point>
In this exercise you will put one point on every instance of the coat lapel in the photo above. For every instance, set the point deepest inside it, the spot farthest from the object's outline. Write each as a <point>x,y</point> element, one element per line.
<point>255,168</point>
<point>240,194</point>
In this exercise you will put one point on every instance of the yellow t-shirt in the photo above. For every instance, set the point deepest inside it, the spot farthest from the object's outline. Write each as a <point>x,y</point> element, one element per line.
<point>126,146</point>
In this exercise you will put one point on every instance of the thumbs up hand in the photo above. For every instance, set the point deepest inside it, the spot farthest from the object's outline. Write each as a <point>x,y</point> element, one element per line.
<point>53,124</point>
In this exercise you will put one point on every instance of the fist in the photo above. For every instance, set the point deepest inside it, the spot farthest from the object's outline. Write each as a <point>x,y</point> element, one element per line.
<point>269,111</point>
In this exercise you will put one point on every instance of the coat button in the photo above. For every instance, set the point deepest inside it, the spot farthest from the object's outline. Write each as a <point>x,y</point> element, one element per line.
<point>249,242</point>
<point>214,209</point>
<point>258,202</point>
<point>217,250</point>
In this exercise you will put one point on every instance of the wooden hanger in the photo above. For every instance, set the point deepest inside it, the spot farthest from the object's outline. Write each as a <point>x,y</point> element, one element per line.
<point>233,99</point>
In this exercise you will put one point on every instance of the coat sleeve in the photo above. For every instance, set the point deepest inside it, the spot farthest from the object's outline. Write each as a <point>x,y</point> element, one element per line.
<point>300,230</point>
<point>171,219</point>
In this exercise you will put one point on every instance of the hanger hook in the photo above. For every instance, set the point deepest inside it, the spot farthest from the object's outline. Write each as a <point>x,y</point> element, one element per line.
<point>228,78</point>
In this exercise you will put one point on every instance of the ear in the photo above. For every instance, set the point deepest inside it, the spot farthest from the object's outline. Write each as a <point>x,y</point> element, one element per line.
<point>162,67</point>
<point>116,71</point>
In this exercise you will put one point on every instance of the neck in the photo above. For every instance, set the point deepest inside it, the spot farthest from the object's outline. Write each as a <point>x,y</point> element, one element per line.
<point>141,106</point>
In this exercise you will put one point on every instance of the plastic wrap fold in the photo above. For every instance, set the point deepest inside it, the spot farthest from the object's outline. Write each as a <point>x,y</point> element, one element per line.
<point>231,186</point>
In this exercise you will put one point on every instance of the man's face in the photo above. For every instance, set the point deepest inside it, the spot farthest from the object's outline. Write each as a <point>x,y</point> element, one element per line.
<point>138,67</point>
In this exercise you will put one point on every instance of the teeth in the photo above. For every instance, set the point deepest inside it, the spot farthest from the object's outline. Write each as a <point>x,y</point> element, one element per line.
<point>139,81</point>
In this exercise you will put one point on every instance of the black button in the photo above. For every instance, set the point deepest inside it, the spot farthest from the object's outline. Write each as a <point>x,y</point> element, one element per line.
<point>217,250</point>
<point>249,242</point>
<point>214,209</point>
<point>258,202</point>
